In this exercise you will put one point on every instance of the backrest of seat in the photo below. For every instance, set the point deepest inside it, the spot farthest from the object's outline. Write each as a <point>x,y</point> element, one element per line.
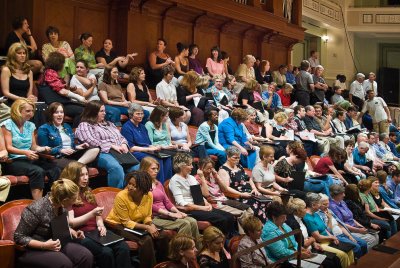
<point>192,132</point>
<point>233,247</point>
<point>105,198</point>
<point>10,215</point>
<point>168,192</point>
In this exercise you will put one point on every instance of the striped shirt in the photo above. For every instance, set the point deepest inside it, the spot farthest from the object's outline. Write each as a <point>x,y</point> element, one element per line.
<point>100,135</point>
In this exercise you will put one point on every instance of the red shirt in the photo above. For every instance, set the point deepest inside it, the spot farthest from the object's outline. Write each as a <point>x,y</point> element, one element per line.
<point>323,164</point>
<point>82,210</point>
<point>284,98</point>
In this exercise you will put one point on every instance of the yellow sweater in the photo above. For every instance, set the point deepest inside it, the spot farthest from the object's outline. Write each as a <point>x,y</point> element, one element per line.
<point>127,213</point>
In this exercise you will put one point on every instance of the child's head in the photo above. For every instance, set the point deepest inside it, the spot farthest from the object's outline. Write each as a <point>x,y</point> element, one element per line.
<point>338,90</point>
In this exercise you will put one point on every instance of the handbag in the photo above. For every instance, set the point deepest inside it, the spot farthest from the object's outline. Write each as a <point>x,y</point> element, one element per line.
<point>343,246</point>
<point>124,159</point>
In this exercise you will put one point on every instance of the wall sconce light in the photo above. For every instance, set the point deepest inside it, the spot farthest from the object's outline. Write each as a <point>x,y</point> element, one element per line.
<point>325,38</point>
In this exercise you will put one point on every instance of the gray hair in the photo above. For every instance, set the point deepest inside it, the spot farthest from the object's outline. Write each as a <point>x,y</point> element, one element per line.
<point>360,75</point>
<point>134,107</point>
<point>383,136</point>
<point>312,198</point>
<point>250,111</point>
<point>323,197</point>
<point>363,144</point>
<point>180,160</point>
<point>336,189</point>
<point>231,151</point>
<point>319,67</point>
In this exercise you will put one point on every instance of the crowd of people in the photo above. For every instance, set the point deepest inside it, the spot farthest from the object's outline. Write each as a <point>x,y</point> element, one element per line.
<point>256,132</point>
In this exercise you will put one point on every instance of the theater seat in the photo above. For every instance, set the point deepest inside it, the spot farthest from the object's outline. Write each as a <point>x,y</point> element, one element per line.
<point>105,198</point>
<point>202,225</point>
<point>10,215</point>
<point>233,247</point>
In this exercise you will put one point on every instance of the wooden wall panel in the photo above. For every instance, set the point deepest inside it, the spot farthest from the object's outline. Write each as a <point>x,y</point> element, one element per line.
<point>56,13</point>
<point>232,44</point>
<point>205,38</point>
<point>177,31</point>
<point>250,46</point>
<point>277,55</point>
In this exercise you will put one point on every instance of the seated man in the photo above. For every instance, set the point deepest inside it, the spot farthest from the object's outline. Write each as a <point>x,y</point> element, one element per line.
<point>383,146</point>
<point>360,158</point>
<point>392,143</point>
<point>372,152</point>
<point>393,184</point>
<point>325,137</point>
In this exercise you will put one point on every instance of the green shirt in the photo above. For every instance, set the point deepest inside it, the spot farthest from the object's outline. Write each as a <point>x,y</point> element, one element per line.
<point>82,53</point>
<point>368,199</point>
<point>158,137</point>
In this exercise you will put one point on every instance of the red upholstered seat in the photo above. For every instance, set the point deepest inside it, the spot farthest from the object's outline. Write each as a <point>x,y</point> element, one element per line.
<point>10,215</point>
<point>233,247</point>
<point>201,224</point>
<point>193,133</point>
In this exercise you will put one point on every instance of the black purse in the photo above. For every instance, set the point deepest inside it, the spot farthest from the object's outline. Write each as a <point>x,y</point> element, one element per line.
<point>126,160</point>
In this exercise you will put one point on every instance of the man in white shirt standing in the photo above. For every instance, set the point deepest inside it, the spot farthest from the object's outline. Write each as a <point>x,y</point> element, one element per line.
<point>370,83</point>
<point>357,93</point>
<point>379,112</point>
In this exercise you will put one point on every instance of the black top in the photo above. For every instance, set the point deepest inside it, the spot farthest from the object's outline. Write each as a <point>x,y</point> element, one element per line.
<point>157,74</point>
<point>206,261</point>
<point>262,79</point>
<point>358,213</point>
<point>12,38</point>
<point>182,93</point>
<point>142,95</point>
<point>102,54</point>
<point>246,95</point>
<point>18,87</point>
<point>184,68</point>
<point>311,123</point>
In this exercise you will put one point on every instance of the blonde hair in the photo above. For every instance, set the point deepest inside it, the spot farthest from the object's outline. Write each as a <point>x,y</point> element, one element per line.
<point>251,224</point>
<point>180,160</point>
<point>73,172</point>
<point>17,107</point>
<point>295,205</point>
<point>63,189</point>
<point>210,234</point>
<point>146,163</point>
<point>12,63</point>
<point>248,58</point>
<point>266,150</point>
<point>179,242</point>
<point>281,118</point>
<point>203,82</point>
<point>189,81</point>
<point>251,85</point>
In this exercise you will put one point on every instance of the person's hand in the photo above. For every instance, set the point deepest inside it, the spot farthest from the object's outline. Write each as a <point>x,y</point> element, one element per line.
<point>102,230</point>
<point>184,215</point>
<point>176,215</point>
<point>244,152</point>
<point>97,211</point>
<point>328,214</point>
<point>28,31</point>
<point>389,120</point>
<point>32,98</point>
<point>116,148</point>
<point>200,173</point>
<point>245,195</point>
<point>52,245</point>
<point>43,149</point>
<point>77,234</point>
<point>352,239</point>
<point>305,254</point>
<point>317,246</point>
<point>67,151</point>
<point>124,148</point>
<point>214,172</point>
<point>185,147</point>
<point>255,192</point>
<point>329,117</point>
<point>82,146</point>
<point>375,226</point>
<point>288,179</point>
<point>126,104</point>
<point>197,95</point>
<point>31,155</point>
<point>335,240</point>
<point>311,240</point>
<point>169,61</point>
<point>64,92</point>
<point>153,231</point>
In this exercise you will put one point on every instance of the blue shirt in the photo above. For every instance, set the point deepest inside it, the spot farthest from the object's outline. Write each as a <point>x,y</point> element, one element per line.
<point>203,137</point>
<point>20,140</point>
<point>49,135</point>
<point>290,78</point>
<point>281,248</point>
<point>135,135</point>
<point>276,100</point>
<point>315,223</point>
<point>229,131</point>
<point>388,196</point>
<point>393,149</point>
<point>358,158</point>
<point>348,121</point>
<point>395,188</point>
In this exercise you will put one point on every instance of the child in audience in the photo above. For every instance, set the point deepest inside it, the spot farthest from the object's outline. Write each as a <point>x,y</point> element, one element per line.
<point>182,252</point>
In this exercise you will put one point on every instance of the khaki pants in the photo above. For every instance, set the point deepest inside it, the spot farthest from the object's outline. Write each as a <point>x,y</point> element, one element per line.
<point>346,258</point>
<point>381,127</point>
<point>186,226</point>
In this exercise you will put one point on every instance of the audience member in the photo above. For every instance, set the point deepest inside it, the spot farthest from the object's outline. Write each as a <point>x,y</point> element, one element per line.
<point>291,74</point>
<point>214,63</point>
<point>263,75</point>
<point>285,94</point>
<point>385,192</point>
<point>213,253</point>
<point>320,86</point>
<point>158,60</point>
<point>279,76</point>
<point>370,84</point>
<point>379,111</point>
<point>305,84</point>
<point>182,252</point>
<point>84,82</point>
<point>313,59</point>
<point>108,57</point>
<point>245,72</point>
<point>5,183</point>
<point>86,53</point>
<point>357,93</point>
<point>194,63</point>
<point>272,100</point>
<point>393,184</point>
<point>181,60</point>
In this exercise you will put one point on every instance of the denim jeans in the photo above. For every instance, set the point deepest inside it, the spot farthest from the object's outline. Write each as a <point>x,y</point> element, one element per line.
<point>219,153</point>
<point>360,247</point>
<point>115,172</point>
<point>385,227</point>
<point>250,160</point>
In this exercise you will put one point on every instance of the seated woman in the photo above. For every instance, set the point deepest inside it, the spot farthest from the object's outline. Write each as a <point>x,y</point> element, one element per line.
<point>157,129</point>
<point>227,67</point>
<point>250,96</point>
<point>276,226</point>
<point>343,213</point>
<point>60,138</point>
<point>5,183</point>
<point>188,96</point>
<point>222,98</point>
<point>182,252</point>
<point>279,76</point>
<point>35,235</point>
<point>107,56</point>
<point>207,135</point>
<point>180,185</point>
<point>318,229</point>
<point>132,209</point>
<point>276,130</point>
<point>112,95</point>
<point>245,72</point>
<point>213,253</point>
<point>138,92</point>
<point>181,60</point>
<point>385,192</point>
<point>21,145</point>
<point>235,182</point>
<point>86,53</point>
<point>84,82</point>
<point>16,75</point>
<point>180,136</point>
<point>263,75</point>
<point>166,91</point>
<point>97,132</point>
<point>139,142</point>
<point>194,63</point>
<point>231,132</point>
<point>157,60</point>
<point>62,47</point>
<point>326,165</point>
<point>165,214</point>
<point>296,208</point>
<point>252,227</point>
<point>357,207</point>
<point>264,174</point>
<point>339,230</point>
<point>22,34</point>
<point>229,85</point>
<point>215,64</point>
<point>85,216</point>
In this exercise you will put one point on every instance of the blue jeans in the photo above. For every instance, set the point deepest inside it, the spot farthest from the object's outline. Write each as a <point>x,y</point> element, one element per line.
<point>165,172</point>
<point>385,227</point>
<point>360,247</point>
<point>249,161</point>
<point>219,153</point>
<point>115,172</point>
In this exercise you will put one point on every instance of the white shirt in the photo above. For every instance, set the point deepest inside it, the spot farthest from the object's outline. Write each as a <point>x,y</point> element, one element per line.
<point>339,125</point>
<point>264,176</point>
<point>367,85</point>
<point>375,108</point>
<point>313,62</point>
<point>180,188</point>
<point>76,83</point>
<point>166,91</point>
<point>66,140</point>
<point>357,89</point>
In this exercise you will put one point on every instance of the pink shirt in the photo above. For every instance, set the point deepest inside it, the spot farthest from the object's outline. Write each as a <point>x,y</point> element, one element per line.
<point>160,199</point>
<point>215,67</point>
